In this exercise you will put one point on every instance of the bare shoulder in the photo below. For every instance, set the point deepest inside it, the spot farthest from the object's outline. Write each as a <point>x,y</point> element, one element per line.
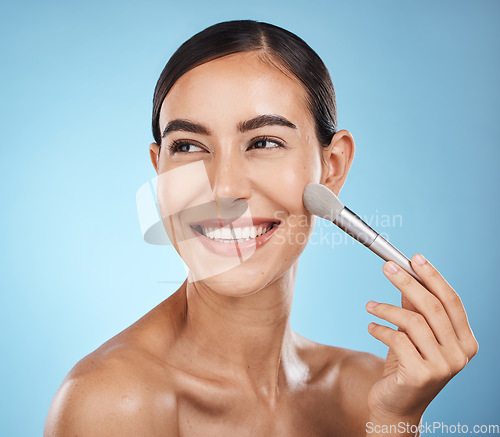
<point>357,372</point>
<point>108,393</point>
<point>121,389</point>
<point>364,367</point>
<point>345,378</point>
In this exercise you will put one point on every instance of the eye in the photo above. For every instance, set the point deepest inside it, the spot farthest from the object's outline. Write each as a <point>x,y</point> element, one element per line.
<point>183,146</point>
<point>266,143</point>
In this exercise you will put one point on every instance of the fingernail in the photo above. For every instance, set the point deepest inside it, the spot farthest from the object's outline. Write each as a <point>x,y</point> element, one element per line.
<point>391,267</point>
<point>372,304</point>
<point>372,325</point>
<point>419,259</point>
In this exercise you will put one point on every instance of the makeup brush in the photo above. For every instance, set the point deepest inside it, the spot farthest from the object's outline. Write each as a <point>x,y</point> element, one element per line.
<point>321,201</point>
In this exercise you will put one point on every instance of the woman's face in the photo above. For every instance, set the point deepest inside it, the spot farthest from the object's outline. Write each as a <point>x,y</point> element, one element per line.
<point>239,149</point>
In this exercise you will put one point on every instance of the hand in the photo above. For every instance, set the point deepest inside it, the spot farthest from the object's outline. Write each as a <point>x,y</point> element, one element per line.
<point>432,344</point>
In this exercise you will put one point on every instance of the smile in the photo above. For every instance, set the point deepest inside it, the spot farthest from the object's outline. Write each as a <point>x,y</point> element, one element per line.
<point>233,235</point>
<point>221,237</point>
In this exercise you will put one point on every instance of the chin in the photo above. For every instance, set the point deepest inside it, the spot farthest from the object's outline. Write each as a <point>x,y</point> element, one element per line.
<point>242,280</point>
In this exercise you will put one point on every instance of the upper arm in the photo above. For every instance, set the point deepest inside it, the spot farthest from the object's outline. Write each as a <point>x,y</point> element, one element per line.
<point>102,404</point>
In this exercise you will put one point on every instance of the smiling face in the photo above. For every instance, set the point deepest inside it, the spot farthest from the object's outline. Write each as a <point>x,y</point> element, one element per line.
<point>239,147</point>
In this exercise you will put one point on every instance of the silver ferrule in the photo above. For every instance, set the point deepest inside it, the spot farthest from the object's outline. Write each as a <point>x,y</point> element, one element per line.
<point>355,227</point>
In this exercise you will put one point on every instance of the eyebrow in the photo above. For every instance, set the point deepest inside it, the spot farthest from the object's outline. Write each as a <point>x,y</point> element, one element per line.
<point>244,126</point>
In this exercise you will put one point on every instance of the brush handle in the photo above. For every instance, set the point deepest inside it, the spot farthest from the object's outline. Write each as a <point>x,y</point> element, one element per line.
<point>388,252</point>
<point>358,229</point>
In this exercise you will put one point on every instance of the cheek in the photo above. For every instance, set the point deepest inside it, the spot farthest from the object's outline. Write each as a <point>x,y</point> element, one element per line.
<point>293,182</point>
<point>285,184</point>
<point>293,177</point>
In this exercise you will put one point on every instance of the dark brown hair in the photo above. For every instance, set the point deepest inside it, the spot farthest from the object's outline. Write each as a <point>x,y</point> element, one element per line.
<point>278,46</point>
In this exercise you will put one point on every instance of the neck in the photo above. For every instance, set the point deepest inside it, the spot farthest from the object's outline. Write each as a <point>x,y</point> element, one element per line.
<point>249,337</point>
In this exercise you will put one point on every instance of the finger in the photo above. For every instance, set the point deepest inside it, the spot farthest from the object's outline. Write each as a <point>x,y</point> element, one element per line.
<point>426,303</point>
<point>399,342</point>
<point>449,298</point>
<point>414,324</point>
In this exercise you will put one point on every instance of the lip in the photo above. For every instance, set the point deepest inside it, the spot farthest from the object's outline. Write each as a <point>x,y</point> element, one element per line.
<point>235,249</point>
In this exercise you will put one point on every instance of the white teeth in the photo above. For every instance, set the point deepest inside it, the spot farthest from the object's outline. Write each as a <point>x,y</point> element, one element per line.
<point>227,235</point>
<point>238,233</point>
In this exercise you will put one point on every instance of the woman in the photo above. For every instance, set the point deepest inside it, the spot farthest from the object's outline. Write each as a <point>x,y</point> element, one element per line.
<point>244,118</point>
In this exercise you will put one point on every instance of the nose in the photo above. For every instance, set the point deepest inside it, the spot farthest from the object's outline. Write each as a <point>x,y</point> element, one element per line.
<point>229,176</point>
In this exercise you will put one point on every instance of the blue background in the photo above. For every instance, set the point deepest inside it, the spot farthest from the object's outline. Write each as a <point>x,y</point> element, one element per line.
<point>417,85</point>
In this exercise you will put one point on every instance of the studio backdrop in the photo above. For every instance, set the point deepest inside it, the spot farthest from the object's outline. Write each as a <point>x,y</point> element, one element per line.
<point>417,86</point>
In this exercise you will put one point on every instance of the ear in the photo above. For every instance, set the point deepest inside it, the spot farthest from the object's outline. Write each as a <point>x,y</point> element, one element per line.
<point>338,158</point>
<point>154,151</point>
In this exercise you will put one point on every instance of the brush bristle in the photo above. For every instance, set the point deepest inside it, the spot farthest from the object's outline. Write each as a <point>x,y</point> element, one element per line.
<point>320,201</point>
